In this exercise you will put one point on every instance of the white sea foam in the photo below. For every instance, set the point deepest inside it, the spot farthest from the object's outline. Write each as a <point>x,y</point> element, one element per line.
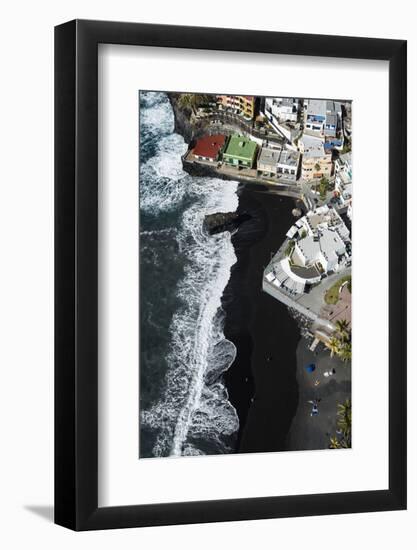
<point>163,172</point>
<point>156,117</point>
<point>195,409</point>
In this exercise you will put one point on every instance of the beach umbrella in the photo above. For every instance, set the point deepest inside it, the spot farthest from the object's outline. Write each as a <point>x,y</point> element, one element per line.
<point>311,367</point>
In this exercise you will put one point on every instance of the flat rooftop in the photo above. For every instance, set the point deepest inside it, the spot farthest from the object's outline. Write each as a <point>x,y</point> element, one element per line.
<point>209,146</point>
<point>331,119</point>
<point>333,106</point>
<point>314,152</point>
<point>312,146</point>
<point>240,147</point>
<point>317,107</point>
<point>289,158</point>
<point>269,156</point>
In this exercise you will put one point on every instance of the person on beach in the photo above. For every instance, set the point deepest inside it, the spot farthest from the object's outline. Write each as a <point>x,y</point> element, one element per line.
<point>314,411</point>
<point>315,408</point>
<point>329,373</point>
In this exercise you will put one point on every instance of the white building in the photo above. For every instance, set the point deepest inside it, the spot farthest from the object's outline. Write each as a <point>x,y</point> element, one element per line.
<point>281,109</point>
<point>349,211</point>
<point>282,115</point>
<point>278,162</point>
<point>315,116</point>
<point>320,218</point>
<point>322,240</point>
<point>320,245</point>
<point>343,178</point>
<point>288,164</point>
<point>333,118</point>
<point>267,161</point>
<point>325,250</point>
<point>323,117</point>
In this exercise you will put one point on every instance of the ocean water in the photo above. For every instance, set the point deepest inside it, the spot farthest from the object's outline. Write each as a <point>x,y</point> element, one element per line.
<point>184,405</point>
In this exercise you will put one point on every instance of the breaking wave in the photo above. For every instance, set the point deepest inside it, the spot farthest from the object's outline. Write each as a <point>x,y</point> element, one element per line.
<point>194,415</point>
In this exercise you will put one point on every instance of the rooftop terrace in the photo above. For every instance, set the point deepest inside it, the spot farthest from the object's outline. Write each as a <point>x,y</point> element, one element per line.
<point>240,147</point>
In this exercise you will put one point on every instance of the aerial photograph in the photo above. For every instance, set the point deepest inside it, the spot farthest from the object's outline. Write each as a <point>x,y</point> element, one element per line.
<point>245,258</point>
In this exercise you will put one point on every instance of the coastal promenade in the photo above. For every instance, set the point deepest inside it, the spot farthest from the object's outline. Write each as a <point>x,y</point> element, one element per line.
<point>288,300</point>
<point>281,187</point>
<point>299,189</point>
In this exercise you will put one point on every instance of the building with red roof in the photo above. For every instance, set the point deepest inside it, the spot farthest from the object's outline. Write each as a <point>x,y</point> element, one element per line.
<point>209,147</point>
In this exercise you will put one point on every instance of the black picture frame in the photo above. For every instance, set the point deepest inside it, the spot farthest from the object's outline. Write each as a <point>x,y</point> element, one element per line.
<point>76,272</point>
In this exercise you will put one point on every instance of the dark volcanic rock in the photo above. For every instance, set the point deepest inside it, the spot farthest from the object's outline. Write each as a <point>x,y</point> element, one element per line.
<point>224,221</point>
<point>182,124</point>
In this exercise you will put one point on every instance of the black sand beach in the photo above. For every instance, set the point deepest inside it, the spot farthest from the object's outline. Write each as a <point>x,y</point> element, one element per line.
<point>313,432</point>
<point>267,382</point>
<point>262,380</point>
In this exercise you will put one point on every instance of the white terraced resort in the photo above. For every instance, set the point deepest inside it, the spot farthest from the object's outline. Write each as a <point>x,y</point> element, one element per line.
<point>318,245</point>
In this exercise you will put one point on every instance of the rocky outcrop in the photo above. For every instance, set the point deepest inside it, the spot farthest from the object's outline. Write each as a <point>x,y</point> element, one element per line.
<point>224,221</point>
<point>202,170</point>
<point>182,125</point>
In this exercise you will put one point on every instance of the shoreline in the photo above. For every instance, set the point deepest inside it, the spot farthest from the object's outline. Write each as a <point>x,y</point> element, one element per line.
<point>263,397</point>
<point>267,383</point>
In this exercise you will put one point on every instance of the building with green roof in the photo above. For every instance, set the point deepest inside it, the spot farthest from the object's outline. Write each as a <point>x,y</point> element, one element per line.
<point>240,152</point>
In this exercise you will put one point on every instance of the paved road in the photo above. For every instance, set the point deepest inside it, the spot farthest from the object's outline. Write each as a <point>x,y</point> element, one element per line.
<point>314,300</point>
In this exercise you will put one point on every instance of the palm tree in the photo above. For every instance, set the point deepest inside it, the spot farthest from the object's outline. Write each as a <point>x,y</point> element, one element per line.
<point>345,351</point>
<point>344,410</point>
<point>344,420</point>
<point>335,443</point>
<point>342,325</point>
<point>341,443</point>
<point>334,346</point>
<point>344,425</point>
<point>343,329</point>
